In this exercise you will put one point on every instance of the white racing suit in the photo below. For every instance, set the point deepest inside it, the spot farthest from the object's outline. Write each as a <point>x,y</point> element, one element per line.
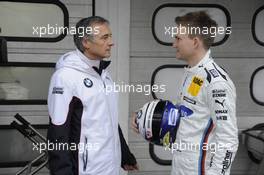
<point>207,138</point>
<point>84,116</point>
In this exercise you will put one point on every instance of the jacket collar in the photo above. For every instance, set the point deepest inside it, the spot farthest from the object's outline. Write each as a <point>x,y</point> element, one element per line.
<point>103,65</point>
<point>97,65</point>
<point>87,60</point>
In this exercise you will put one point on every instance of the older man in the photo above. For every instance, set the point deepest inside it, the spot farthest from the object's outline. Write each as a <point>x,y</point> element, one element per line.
<point>84,116</point>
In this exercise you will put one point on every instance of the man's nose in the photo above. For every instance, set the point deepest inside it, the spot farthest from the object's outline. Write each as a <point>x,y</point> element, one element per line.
<point>174,44</point>
<point>111,43</point>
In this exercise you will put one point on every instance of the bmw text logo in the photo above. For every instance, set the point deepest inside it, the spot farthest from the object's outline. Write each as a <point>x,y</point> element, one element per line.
<point>87,82</point>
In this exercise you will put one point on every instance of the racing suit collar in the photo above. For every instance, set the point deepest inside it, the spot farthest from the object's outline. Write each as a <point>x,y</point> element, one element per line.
<point>204,60</point>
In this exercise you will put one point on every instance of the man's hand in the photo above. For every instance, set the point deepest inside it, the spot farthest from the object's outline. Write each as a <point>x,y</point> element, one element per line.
<point>131,167</point>
<point>128,160</point>
<point>133,122</point>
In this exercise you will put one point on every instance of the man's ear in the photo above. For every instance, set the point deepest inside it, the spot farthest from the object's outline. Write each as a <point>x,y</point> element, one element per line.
<point>196,42</point>
<point>86,43</point>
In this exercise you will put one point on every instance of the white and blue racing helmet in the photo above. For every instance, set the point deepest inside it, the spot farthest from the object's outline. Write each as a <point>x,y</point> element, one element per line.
<point>158,122</point>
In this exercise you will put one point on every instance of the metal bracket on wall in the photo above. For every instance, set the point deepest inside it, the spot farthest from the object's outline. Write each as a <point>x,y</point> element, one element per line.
<point>3,50</point>
<point>35,137</point>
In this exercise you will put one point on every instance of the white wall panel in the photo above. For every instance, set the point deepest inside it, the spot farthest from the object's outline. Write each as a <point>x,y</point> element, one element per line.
<point>77,10</point>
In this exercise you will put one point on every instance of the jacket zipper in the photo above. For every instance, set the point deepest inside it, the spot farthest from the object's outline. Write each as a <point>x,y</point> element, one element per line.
<point>85,155</point>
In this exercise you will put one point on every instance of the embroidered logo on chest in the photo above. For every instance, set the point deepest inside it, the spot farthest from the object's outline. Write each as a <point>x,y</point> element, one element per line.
<point>214,73</point>
<point>57,90</point>
<point>87,82</point>
<point>195,86</point>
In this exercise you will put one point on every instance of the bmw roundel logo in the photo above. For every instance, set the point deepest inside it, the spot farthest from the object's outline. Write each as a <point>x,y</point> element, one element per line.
<point>87,82</point>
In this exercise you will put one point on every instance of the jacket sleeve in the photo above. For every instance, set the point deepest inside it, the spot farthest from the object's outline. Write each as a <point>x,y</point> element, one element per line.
<point>222,103</point>
<point>127,157</point>
<point>59,97</point>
